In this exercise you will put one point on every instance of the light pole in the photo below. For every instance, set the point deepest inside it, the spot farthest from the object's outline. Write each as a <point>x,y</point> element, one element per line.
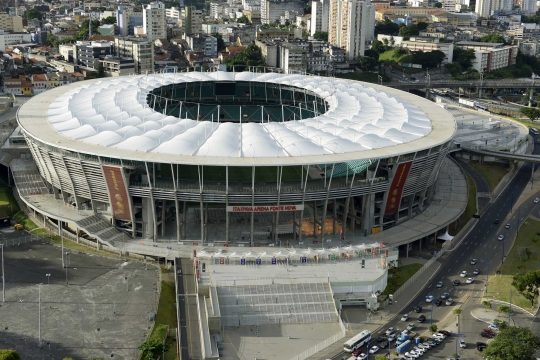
<point>127,283</point>
<point>67,283</point>
<point>48,277</point>
<point>39,315</point>
<point>3,276</point>
<point>431,316</point>
<point>380,78</point>
<point>487,273</point>
<point>428,79</point>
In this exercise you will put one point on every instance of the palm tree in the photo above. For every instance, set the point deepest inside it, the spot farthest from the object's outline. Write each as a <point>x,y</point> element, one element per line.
<point>457,312</point>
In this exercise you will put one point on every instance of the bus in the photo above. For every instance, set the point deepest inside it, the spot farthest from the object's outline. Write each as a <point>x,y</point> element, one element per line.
<point>357,341</point>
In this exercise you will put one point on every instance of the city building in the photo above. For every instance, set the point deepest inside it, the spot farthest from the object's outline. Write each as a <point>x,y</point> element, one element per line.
<point>529,7</point>
<point>154,21</point>
<point>206,44</point>
<point>87,53</point>
<point>173,16</point>
<point>192,20</point>
<point>11,23</point>
<point>430,44</point>
<point>115,66</point>
<point>320,15</point>
<point>490,56</point>
<point>139,49</point>
<point>39,83</point>
<point>484,8</point>
<point>9,39</point>
<point>179,158</point>
<point>351,25</point>
<point>272,10</point>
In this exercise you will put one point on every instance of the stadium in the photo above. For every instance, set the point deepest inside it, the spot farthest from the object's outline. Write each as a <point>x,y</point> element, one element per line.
<point>247,158</point>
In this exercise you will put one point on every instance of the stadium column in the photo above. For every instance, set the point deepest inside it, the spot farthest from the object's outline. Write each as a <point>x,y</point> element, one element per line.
<point>315,219</point>
<point>303,186</point>
<point>325,207</point>
<point>184,224</point>
<point>280,177</point>
<point>201,207</point>
<point>163,215</point>
<point>252,201</point>
<point>226,204</point>
<point>152,202</point>
<point>176,205</point>
<point>346,208</point>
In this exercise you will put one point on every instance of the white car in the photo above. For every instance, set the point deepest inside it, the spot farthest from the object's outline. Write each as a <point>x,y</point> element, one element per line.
<point>493,327</point>
<point>412,354</point>
<point>391,337</point>
<point>439,336</point>
<point>419,350</point>
<point>390,331</point>
<point>445,295</point>
<point>373,350</point>
<point>473,261</point>
<point>463,273</point>
<point>426,345</point>
<point>410,326</point>
<point>462,344</point>
<point>469,281</point>
<point>362,356</point>
<point>449,301</point>
<point>537,200</point>
<point>405,317</point>
<point>500,237</point>
<point>439,284</point>
<point>429,298</point>
<point>476,271</point>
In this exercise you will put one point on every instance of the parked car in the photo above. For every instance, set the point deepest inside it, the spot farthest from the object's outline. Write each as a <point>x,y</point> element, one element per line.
<point>445,332</point>
<point>463,274</point>
<point>417,309</point>
<point>390,331</point>
<point>438,302</point>
<point>362,356</point>
<point>456,282</point>
<point>384,344</point>
<point>469,281</point>
<point>489,332</point>
<point>445,295</point>
<point>462,344</point>
<point>405,317</point>
<point>410,326</point>
<point>494,327</point>
<point>421,318</point>
<point>429,298</point>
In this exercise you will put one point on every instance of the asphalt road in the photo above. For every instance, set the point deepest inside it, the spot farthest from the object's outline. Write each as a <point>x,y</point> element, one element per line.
<point>481,243</point>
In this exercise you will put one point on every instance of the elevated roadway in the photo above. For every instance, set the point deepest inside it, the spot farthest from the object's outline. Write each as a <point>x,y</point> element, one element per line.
<point>532,158</point>
<point>479,84</point>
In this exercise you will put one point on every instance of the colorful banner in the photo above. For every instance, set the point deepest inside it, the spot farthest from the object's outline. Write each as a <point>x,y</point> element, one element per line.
<point>396,189</point>
<point>265,208</point>
<point>117,192</point>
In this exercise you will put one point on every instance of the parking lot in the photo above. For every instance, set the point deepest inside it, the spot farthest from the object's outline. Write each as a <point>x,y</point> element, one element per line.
<point>101,311</point>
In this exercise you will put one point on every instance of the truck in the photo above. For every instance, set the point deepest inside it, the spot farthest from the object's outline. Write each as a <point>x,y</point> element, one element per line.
<point>401,349</point>
<point>466,102</point>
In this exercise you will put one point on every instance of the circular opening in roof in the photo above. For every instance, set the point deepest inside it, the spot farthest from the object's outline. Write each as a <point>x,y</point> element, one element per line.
<point>236,101</point>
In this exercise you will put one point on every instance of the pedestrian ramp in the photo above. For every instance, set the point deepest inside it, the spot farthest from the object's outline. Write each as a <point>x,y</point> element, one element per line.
<point>247,305</point>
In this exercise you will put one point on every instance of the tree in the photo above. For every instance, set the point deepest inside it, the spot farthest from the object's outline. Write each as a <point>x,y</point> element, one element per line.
<point>321,35</point>
<point>464,57</point>
<point>386,27</point>
<point>152,348</point>
<point>487,304</point>
<point>251,56</point>
<point>243,20</point>
<point>380,357</point>
<point>422,26</point>
<point>378,46</point>
<point>503,309</point>
<point>109,20</point>
<point>33,14</point>
<point>532,114</point>
<point>438,5</point>
<point>220,42</point>
<point>493,38</point>
<point>100,69</point>
<point>517,343</point>
<point>527,284</point>
<point>433,328</point>
<point>407,31</point>
<point>367,63</point>
<point>9,355</point>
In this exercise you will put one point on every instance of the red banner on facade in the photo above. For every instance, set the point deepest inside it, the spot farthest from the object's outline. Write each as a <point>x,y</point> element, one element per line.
<point>396,189</point>
<point>117,192</point>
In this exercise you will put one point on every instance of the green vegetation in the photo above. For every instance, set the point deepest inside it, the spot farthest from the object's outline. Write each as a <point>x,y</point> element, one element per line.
<point>243,20</point>
<point>152,349</point>
<point>518,343</point>
<point>9,354</point>
<point>531,113</point>
<point>364,76</point>
<point>407,31</point>
<point>397,276</point>
<point>517,262</point>
<point>433,328</point>
<point>321,35</point>
<point>33,14</point>
<point>527,284</point>
<point>396,56</point>
<point>110,20</point>
<point>251,56</point>
<point>386,27</point>
<point>493,38</point>
<point>487,304</point>
<point>492,172</point>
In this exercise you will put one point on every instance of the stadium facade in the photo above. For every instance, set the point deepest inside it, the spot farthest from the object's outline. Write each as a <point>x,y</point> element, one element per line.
<point>252,157</point>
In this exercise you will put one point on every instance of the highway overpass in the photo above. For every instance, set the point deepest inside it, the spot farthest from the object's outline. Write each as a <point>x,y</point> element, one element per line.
<point>505,155</point>
<point>479,84</point>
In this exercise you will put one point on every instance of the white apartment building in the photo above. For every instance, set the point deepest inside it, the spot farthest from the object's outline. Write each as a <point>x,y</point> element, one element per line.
<point>11,23</point>
<point>272,10</point>
<point>351,24</point>
<point>490,56</point>
<point>154,22</point>
<point>529,7</point>
<point>484,8</point>
<point>141,50</point>
<point>8,39</point>
<point>320,15</point>
<point>173,15</point>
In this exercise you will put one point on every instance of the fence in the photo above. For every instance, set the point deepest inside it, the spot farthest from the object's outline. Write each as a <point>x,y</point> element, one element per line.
<point>322,345</point>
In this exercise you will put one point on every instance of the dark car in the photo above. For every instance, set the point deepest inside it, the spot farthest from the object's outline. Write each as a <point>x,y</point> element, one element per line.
<point>486,335</point>
<point>382,338</point>
<point>383,345</point>
<point>496,221</point>
<point>487,331</point>
<point>456,282</point>
<point>438,302</point>
<point>479,343</point>
<point>421,318</point>
<point>447,333</point>
<point>418,309</point>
